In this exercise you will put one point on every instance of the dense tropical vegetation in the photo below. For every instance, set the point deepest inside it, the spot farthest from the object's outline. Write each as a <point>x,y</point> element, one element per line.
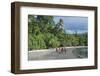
<point>44,33</point>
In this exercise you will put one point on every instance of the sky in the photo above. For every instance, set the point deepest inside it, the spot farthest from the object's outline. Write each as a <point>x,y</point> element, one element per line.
<point>74,23</point>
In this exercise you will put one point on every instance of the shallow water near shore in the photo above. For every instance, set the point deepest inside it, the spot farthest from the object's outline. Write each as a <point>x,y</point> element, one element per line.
<point>52,54</point>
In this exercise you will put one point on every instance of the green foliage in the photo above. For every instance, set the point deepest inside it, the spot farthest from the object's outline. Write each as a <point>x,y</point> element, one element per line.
<point>51,40</point>
<point>43,33</point>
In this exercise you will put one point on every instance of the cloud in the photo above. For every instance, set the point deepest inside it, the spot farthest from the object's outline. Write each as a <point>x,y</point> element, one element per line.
<point>74,23</point>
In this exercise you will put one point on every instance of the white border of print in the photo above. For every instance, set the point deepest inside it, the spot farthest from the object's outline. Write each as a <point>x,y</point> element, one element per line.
<point>25,64</point>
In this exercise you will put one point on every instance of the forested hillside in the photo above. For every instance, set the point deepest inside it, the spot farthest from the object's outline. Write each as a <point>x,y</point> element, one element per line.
<point>44,33</point>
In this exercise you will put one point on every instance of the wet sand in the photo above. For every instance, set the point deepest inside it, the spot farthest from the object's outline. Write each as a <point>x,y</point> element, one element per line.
<point>51,54</point>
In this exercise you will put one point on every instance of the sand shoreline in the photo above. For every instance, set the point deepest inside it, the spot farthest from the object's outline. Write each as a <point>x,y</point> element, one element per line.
<point>55,48</point>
